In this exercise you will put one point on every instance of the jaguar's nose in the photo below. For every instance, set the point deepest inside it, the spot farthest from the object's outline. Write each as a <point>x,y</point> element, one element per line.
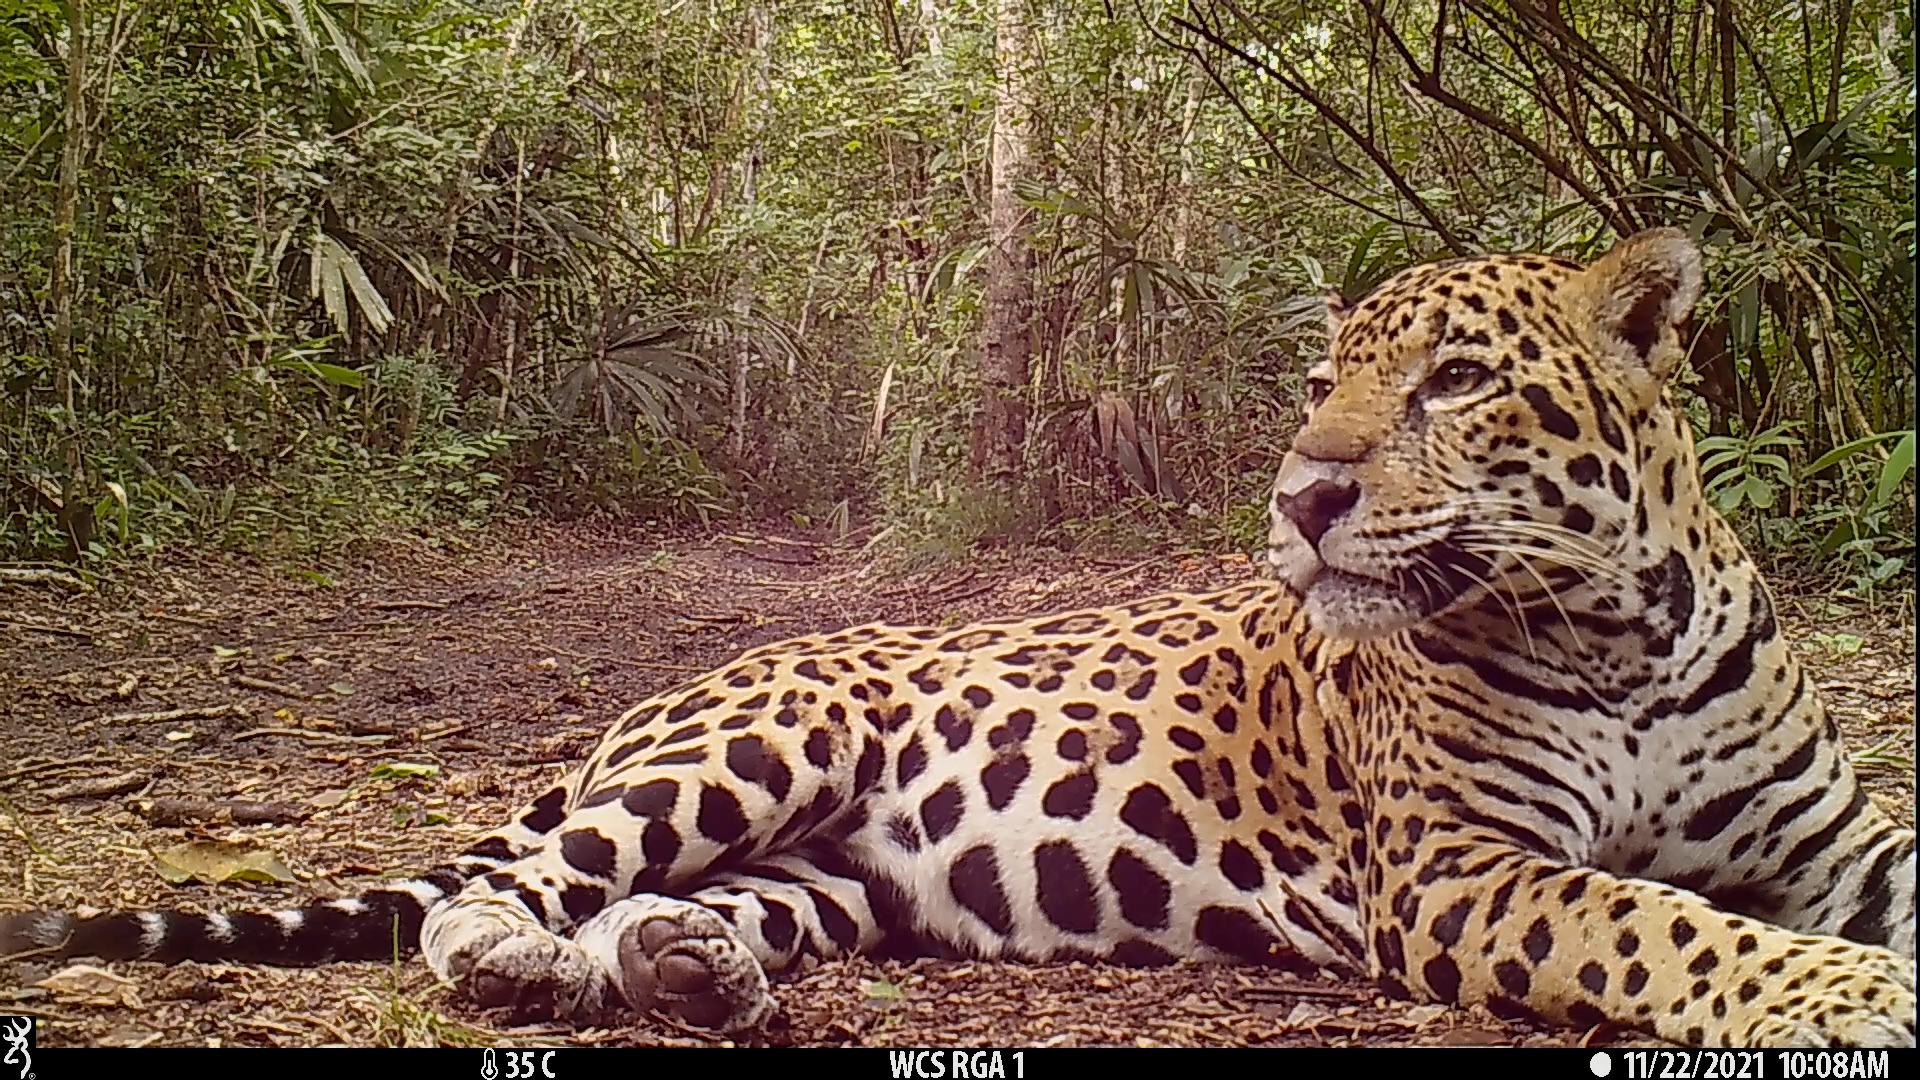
<point>1315,508</point>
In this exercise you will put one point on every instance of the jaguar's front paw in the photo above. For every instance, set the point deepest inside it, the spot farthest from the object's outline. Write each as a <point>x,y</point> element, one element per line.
<point>502,962</point>
<point>1855,995</point>
<point>536,976</point>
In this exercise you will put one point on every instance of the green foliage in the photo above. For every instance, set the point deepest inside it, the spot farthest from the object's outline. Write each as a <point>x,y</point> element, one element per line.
<point>1871,537</point>
<point>942,528</point>
<point>570,469</point>
<point>1244,528</point>
<point>1851,508</point>
<point>346,269</point>
<point>1746,471</point>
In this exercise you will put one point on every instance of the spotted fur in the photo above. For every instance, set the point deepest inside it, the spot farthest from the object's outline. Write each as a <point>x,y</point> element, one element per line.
<point>1515,725</point>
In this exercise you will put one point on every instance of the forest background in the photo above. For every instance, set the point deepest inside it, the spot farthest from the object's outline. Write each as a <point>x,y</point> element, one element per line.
<point>279,275</point>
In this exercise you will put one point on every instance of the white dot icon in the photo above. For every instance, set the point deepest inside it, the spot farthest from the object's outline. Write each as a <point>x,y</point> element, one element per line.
<point>1600,1064</point>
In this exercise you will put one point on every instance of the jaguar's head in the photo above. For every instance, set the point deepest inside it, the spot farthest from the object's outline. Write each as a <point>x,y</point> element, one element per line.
<point>1485,425</point>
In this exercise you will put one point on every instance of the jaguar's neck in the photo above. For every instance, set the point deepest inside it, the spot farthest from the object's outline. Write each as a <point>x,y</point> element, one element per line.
<point>1618,619</point>
<point>1618,634</point>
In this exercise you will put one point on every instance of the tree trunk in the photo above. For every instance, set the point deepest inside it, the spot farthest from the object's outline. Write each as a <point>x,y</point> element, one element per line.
<point>806,306</point>
<point>510,298</point>
<point>1183,209</point>
<point>930,20</point>
<point>759,39</point>
<point>1000,429</point>
<point>76,507</point>
<point>1729,93</point>
<point>459,201</point>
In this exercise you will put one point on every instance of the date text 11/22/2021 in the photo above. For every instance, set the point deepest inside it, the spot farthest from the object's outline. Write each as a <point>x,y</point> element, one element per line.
<point>1749,1065</point>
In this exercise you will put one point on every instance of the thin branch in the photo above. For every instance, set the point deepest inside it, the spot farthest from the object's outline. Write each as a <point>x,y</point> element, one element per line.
<point>1279,156</point>
<point>1428,83</point>
<point>1337,119</point>
<point>1766,81</point>
<point>1533,84</point>
<point>1651,106</point>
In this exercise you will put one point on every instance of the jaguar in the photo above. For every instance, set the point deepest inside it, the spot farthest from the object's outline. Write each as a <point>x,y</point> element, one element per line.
<point>1509,720</point>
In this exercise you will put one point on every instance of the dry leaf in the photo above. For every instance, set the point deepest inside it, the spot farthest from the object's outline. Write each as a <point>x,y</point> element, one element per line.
<point>84,984</point>
<point>215,861</point>
<point>1422,1015</point>
<point>128,1036</point>
<point>1307,1014</point>
<point>403,770</point>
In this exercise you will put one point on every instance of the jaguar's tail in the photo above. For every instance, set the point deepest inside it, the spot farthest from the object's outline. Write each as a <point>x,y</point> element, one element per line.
<point>379,924</point>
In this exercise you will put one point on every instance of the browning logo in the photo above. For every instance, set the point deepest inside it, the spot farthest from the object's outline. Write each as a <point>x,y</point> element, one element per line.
<point>16,1036</point>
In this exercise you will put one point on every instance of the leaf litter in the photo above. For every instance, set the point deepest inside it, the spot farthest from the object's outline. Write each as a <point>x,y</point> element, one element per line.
<point>218,861</point>
<point>446,660</point>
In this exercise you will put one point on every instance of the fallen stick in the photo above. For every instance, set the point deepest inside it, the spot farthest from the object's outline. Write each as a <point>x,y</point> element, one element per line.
<point>323,1025</point>
<point>99,788</point>
<point>252,683</point>
<point>950,586</point>
<point>322,736</point>
<point>776,540</point>
<point>875,540</point>
<point>33,766</point>
<point>408,605</point>
<point>924,589</point>
<point>208,712</point>
<point>968,594</point>
<point>1870,691</point>
<point>182,811</point>
<point>40,576</point>
<point>42,628</point>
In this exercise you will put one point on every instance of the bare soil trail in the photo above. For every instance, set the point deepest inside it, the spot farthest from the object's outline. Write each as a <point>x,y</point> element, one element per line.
<point>302,735</point>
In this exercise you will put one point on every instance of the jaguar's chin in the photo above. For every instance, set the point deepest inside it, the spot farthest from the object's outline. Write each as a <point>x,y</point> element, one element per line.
<point>1361,606</point>
<point>1357,608</point>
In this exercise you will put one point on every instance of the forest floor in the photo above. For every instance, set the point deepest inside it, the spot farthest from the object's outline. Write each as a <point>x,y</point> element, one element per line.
<point>409,702</point>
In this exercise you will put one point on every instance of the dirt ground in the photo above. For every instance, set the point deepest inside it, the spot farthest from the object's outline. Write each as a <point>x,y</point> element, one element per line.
<point>392,710</point>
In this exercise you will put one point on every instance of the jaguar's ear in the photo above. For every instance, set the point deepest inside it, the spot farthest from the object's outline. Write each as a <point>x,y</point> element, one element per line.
<point>1637,295</point>
<point>1338,308</point>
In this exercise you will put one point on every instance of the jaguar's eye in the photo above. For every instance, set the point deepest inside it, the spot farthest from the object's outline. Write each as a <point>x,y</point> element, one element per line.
<point>1317,391</point>
<point>1455,377</point>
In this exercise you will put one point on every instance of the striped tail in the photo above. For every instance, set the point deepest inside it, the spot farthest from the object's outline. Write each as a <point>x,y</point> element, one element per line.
<point>379,924</point>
